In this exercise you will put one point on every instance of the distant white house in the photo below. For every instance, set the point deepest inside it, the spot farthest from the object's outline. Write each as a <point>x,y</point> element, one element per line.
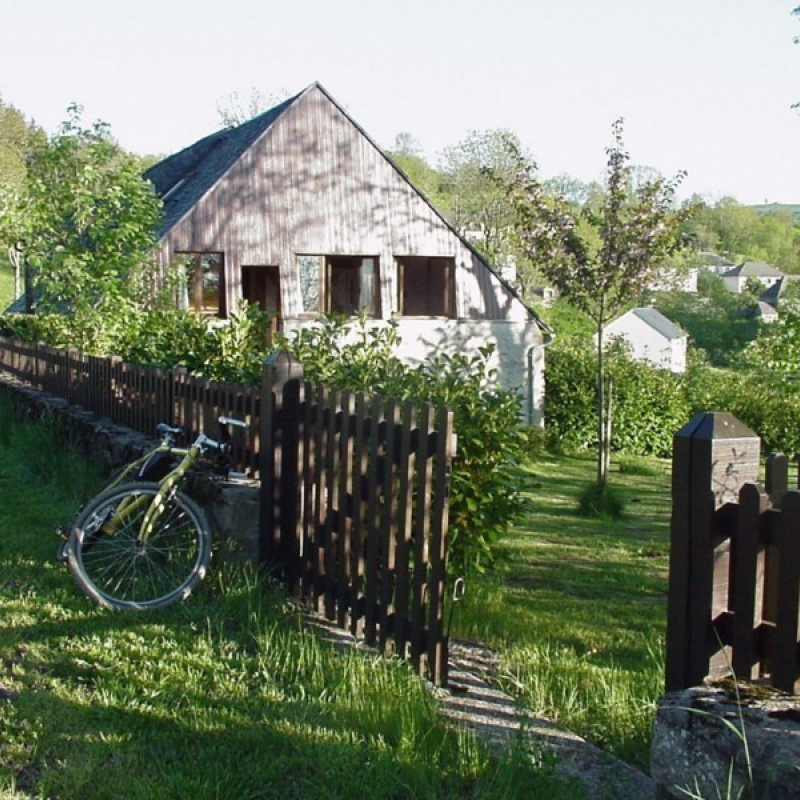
<point>735,279</point>
<point>652,338</point>
<point>713,262</point>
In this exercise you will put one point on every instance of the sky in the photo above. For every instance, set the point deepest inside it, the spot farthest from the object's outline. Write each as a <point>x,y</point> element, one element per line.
<point>704,86</point>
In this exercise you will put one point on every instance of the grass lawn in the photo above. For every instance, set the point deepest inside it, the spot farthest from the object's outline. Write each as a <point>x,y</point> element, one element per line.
<point>578,609</point>
<point>225,696</point>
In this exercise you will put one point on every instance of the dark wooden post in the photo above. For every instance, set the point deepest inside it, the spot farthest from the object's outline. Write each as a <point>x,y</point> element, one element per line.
<point>280,422</point>
<point>714,455</point>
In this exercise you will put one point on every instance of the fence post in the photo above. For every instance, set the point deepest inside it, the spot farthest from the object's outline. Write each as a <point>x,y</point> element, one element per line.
<point>280,422</point>
<point>714,455</point>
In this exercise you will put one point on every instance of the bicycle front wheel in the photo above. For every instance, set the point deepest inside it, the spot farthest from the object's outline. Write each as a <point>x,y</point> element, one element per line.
<point>118,568</point>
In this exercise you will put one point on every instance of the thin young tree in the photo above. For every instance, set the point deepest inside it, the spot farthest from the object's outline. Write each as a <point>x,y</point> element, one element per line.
<point>600,257</point>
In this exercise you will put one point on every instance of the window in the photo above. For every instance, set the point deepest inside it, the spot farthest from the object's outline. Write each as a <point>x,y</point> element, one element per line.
<point>339,284</point>
<point>426,287</point>
<point>261,286</point>
<point>203,290</point>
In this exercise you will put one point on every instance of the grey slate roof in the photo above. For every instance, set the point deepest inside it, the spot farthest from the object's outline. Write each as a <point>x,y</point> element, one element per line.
<point>756,269</point>
<point>656,320</point>
<point>773,294</point>
<point>183,178</point>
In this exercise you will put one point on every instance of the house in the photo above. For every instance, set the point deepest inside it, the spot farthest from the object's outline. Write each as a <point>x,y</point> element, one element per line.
<point>736,278</point>
<point>713,262</point>
<point>300,211</point>
<point>651,337</point>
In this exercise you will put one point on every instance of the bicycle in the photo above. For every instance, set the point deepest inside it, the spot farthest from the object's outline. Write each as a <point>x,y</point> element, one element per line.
<point>142,542</point>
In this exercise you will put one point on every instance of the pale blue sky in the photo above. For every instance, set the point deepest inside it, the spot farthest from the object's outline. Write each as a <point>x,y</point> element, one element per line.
<point>703,85</point>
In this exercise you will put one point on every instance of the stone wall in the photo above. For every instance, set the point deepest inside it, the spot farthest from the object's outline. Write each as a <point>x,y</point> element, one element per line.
<point>724,741</point>
<point>232,509</point>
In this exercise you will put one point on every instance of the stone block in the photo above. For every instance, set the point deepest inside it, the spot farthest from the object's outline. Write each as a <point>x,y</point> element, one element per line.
<point>713,744</point>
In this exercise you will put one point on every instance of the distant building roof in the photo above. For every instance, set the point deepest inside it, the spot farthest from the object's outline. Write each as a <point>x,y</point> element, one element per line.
<point>756,269</point>
<point>773,294</point>
<point>767,311</point>
<point>654,318</point>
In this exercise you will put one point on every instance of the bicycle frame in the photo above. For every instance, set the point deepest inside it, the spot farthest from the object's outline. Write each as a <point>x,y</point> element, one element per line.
<point>167,485</point>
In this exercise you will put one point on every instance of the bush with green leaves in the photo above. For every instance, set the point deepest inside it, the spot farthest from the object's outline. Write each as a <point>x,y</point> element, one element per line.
<point>162,336</point>
<point>649,404</point>
<point>769,406</point>
<point>486,492</point>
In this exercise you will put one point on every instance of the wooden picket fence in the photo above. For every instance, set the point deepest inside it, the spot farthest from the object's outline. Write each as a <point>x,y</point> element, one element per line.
<point>354,491</point>
<point>354,513</point>
<point>735,560</point>
<point>139,397</point>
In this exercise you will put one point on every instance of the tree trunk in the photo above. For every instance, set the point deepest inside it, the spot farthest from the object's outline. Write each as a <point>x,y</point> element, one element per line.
<point>609,424</point>
<point>13,257</point>
<point>602,464</point>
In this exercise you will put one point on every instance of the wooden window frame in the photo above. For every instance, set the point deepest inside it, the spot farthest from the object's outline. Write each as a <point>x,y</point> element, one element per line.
<point>326,268</point>
<point>194,288</point>
<point>448,301</point>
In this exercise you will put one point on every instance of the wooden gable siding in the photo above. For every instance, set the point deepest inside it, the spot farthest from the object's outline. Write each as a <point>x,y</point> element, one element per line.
<point>315,184</point>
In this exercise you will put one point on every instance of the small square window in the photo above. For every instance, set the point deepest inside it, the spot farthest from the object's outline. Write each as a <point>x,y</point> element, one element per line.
<point>203,288</point>
<point>426,286</point>
<point>339,284</point>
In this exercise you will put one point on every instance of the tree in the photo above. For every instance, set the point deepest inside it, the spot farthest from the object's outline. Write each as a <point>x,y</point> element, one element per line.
<point>17,137</point>
<point>599,259</point>
<point>233,111</point>
<point>88,218</point>
<point>474,173</point>
<point>407,153</point>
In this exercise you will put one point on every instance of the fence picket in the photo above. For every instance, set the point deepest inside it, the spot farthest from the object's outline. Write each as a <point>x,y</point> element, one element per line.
<point>784,668</point>
<point>745,562</point>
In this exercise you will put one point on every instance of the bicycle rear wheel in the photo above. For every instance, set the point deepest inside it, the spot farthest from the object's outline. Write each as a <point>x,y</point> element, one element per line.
<point>117,569</point>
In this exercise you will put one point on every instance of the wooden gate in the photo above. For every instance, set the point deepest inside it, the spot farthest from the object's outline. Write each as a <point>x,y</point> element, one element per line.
<point>354,510</point>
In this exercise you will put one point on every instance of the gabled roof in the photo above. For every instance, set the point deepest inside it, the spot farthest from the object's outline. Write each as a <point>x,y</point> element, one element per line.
<point>182,179</point>
<point>756,269</point>
<point>773,294</point>
<point>656,320</point>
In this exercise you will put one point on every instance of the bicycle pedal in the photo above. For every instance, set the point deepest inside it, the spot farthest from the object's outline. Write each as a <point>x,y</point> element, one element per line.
<point>62,554</point>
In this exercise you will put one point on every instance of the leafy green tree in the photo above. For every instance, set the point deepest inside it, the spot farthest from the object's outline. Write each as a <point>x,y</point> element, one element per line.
<point>88,219</point>
<point>599,259</point>
<point>407,153</point>
<point>776,352</point>
<point>474,174</point>
<point>17,137</point>
<point>15,140</point>
<point>740,232</point>
<point>720,323</point>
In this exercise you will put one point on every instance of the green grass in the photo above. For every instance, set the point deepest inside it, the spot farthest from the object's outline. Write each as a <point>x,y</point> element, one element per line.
<point>578,609</point>
<point>228,695</point>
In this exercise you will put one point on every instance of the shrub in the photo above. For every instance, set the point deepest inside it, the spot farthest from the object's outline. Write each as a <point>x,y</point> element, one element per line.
<point>486,492</point>
<point>649,404</point>
<point>601,501</point>
<point>768,406</point>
